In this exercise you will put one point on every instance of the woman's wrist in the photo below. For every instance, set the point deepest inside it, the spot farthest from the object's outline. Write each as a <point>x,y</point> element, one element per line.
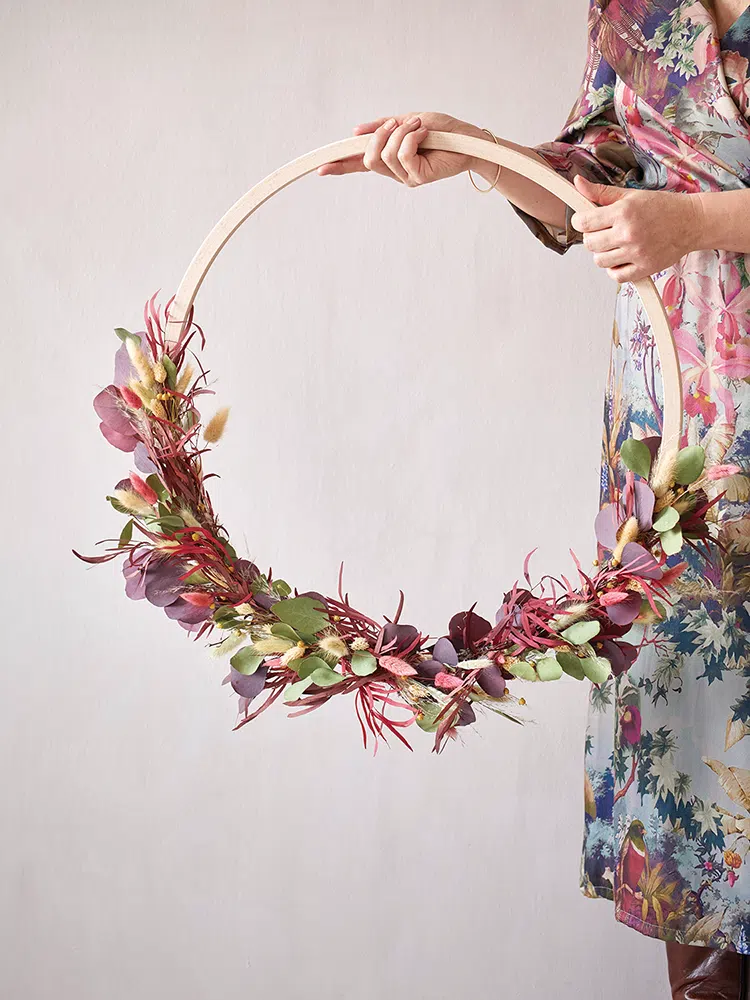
<point>477,165</point>
<point>701,222</point>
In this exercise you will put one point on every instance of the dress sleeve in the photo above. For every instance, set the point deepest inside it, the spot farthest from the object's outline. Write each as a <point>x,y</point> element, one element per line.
<point>592,142</point>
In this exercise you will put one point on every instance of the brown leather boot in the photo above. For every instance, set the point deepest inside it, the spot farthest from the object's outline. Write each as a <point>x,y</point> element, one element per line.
<point>697,973</point>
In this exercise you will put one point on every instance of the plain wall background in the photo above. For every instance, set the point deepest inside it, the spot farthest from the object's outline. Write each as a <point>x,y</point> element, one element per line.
<point>416,387</point>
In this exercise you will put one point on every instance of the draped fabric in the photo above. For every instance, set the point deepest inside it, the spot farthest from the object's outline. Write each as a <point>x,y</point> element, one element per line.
<point>664,104</point>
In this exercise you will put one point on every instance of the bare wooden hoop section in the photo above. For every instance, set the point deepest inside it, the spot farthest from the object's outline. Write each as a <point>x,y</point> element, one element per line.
<point>521,163</point>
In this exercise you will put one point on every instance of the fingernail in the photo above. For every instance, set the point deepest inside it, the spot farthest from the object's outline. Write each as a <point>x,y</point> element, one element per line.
<point>413,120</point>
<point>390,123</point>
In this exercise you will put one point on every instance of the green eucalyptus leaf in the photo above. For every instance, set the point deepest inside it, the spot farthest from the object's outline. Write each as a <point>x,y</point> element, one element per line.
<point>281,587</point>
<point>666,519</point>
<point>294,691</point>
<point>325,677</point>
<point>428,722</point>
<point>127,533</point>
<point>596,668</point>
<point>171,369</point>
<point>689,464</point>
<point>171,522</point>
<point>549,669</point>
<point>281,628</point>
<point>246,660</point>
<point>521,669</point>
<point>119,507</point>
<point>223,613</point>
<point>571,664</point>
<point>580,632</point>
<point>363,664</point>
<point>306,666</point>
<point>196,579</point>
<point>636,456</point>
<point>301,613</point>
<point>124,335</point>
<point>671,541</point>
<point>159,488</point>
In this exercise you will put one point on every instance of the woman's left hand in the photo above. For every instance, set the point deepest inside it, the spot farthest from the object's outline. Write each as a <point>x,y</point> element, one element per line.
<point>634,233</point>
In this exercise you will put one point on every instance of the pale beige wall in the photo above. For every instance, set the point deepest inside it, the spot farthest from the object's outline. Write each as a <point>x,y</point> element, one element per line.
<point>147,851</point>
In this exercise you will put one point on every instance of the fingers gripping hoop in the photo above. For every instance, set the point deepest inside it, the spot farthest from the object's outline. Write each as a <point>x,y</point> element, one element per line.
<point>503,156</point>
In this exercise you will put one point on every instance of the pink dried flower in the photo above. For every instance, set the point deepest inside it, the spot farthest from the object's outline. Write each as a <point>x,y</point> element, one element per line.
<point>613,597</point>
<point>395,665</point>
<point>143,488</point>
<point>132,399</point>
<point>199,599</point>
<point>446,681</point>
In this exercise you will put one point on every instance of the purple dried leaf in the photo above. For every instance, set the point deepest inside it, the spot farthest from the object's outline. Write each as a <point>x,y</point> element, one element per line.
<point>187,613</point>
<point>466,715</point>
<point>625,612</point>
<point>467,622</point>
<point>142,462</point>
<point>491,681</point>
<point>640,562</point>
<point>109,410</point>
<point>265,601</point>
<point>125,442</point>
<point>163,583</point>
<point>402,636</point>
<point>607,522</point>
<point>249,685</point>
<point>124,370</point>
<point>621,655</point>
<point>429,668</point>
<point>644,504</point>
<point>445,652</point>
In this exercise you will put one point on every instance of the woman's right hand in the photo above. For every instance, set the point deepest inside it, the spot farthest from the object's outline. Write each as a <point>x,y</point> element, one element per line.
<point>393,149</point>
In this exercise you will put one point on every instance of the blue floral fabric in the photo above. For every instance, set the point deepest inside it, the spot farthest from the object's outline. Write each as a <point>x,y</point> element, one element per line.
<point>665,105</point>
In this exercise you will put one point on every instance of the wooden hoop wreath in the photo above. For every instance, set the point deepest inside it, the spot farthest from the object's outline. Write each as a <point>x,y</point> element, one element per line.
<point>308,647</point>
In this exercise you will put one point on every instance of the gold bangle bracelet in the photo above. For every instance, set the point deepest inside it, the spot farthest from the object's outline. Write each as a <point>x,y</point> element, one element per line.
<point>497,175</point>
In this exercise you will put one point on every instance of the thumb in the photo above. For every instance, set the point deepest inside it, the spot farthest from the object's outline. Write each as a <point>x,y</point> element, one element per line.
<point>600,194</point>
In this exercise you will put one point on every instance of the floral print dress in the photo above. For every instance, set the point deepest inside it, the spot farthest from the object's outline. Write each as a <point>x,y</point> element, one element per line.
<point>665,105</point>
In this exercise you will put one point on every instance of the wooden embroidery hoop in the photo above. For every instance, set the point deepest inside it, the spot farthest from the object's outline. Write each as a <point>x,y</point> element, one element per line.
<point>502,155</point>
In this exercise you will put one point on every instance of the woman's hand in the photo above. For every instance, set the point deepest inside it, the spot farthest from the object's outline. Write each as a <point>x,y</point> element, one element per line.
<point>634,233</point>
<point>393,149</point>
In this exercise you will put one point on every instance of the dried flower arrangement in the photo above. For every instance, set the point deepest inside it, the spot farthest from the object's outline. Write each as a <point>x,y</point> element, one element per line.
<point>306,647</point>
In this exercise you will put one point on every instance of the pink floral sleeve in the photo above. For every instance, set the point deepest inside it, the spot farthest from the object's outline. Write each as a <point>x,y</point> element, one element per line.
<point>592,143</point>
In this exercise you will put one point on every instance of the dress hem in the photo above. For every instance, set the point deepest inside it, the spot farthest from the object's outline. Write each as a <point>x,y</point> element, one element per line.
<point>644,926</point>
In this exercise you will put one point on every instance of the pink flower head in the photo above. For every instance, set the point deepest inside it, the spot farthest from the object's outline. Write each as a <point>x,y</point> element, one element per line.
<point>143,489</point>
<point>447,682</point>
<point>198,598</point>
<point>630,725</point>
<point>396,666</point>
<point>132,399</point>
<point>732,877</point>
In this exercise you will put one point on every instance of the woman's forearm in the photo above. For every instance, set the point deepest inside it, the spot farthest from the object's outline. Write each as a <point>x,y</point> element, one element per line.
<point>526,194</point>
<point>722,221</point>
